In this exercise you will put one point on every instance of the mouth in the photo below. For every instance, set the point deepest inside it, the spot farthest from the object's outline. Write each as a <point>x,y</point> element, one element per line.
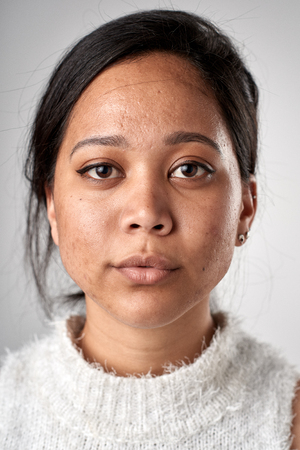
<point>147,270</point>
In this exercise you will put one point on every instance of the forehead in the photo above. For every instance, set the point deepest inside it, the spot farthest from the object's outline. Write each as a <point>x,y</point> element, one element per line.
<point>150,68</point>
<point>164,83</point>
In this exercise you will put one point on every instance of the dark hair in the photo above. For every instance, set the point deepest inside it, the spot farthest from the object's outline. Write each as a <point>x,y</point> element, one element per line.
<point>187,35</point>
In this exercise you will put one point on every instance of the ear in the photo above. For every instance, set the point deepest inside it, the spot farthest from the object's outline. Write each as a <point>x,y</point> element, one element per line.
<point>248,209</point>
<point>51,214</point>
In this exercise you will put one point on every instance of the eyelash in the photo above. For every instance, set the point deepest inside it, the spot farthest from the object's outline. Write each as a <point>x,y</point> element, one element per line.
<point>206,168</point>
<point>85,170</point>
<point>198,165</point>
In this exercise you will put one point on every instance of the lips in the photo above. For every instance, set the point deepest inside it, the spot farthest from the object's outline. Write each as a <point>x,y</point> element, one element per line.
<point>146,270</point>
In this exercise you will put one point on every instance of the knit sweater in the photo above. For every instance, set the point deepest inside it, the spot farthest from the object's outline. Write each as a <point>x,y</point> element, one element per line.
<point>236,395</point>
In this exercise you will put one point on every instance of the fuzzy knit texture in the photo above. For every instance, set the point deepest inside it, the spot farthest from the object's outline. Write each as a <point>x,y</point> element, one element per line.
<point>237,395</point>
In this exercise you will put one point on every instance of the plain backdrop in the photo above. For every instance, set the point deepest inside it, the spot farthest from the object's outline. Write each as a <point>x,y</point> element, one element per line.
<point>262,286</point>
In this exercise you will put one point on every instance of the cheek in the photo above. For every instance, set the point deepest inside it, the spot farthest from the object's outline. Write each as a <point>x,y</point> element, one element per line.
<point>83,229</point>
<point>210,231</point>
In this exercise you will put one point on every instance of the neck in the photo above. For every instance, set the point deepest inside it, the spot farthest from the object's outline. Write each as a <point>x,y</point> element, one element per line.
<point>128,350</point>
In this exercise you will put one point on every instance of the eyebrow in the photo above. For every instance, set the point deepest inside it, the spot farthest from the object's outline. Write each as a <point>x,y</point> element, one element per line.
<point>107,141</point>
<point>178,137</point>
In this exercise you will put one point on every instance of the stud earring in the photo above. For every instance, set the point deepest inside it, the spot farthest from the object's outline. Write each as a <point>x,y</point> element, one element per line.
<point>247,234</point>
<point>241,238</point>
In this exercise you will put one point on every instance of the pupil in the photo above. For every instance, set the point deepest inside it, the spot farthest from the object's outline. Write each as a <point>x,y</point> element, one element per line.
<point>188,169</point>
<point>104,171</point>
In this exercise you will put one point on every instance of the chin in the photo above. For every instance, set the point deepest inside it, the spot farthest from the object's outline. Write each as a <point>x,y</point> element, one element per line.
<point>150,311</point>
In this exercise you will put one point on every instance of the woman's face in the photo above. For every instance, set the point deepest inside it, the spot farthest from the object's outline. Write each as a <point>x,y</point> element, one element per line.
<point>147,200</point>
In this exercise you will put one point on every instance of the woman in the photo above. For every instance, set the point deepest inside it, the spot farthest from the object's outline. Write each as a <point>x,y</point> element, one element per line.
<point>143,155</point>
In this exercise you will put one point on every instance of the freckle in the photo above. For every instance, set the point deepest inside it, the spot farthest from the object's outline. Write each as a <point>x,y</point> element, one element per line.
<point>80,199</point>
<point>203,269</point>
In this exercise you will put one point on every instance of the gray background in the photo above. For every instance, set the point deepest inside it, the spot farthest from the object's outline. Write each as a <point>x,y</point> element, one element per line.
<point>262,286</point>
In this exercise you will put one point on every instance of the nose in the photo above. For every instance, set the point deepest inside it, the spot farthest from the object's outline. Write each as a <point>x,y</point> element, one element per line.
<point>146,209</point>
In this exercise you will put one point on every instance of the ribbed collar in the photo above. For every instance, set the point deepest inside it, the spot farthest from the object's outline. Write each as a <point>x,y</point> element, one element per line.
<point>165,408</point>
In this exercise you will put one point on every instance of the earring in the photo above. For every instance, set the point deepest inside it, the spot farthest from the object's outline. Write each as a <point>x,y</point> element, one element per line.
<point>247,234</point>
<point>241,238</point>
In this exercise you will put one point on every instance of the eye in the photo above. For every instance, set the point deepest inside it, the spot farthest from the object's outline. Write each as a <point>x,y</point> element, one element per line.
<point>100,171</point>
<point>191,169</point>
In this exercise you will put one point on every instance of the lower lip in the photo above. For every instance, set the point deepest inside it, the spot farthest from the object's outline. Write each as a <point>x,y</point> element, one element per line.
<point>145,275</point>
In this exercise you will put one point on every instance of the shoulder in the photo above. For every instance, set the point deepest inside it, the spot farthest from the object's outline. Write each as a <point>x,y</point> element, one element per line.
<point>296,419</point>
<point>27,379</point>
<point>17,368</point>
<point>22,371</point>
<point>267,388</point>
<point>265,369</point>
<point>24,358</point>
<point>17,389</point>
<point>258,362</point>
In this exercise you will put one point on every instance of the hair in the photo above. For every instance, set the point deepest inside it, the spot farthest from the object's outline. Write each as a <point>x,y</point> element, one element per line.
<point>180,33</point>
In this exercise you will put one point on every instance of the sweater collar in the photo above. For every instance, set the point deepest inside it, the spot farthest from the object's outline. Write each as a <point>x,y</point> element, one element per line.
<point>165,408</point>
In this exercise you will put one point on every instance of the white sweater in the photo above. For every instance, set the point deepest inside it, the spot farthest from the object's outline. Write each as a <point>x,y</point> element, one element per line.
<point>237,395</point>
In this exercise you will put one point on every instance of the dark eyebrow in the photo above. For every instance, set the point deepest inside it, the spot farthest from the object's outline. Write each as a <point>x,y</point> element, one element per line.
<point>110,141</point>
<point>180,137</point>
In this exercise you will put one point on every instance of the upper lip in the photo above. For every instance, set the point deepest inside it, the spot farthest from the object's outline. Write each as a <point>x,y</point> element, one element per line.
<point>151,261</point>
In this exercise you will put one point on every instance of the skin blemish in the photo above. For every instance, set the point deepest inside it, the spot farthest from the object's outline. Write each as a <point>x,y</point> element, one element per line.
<point>147,212</point>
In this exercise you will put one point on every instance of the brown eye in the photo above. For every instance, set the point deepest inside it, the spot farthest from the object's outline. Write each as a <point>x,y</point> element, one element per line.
<point>103,171</point>
<point>189,170</point>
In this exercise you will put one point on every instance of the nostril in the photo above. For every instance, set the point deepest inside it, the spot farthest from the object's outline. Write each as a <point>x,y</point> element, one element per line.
<point>156,227</point>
